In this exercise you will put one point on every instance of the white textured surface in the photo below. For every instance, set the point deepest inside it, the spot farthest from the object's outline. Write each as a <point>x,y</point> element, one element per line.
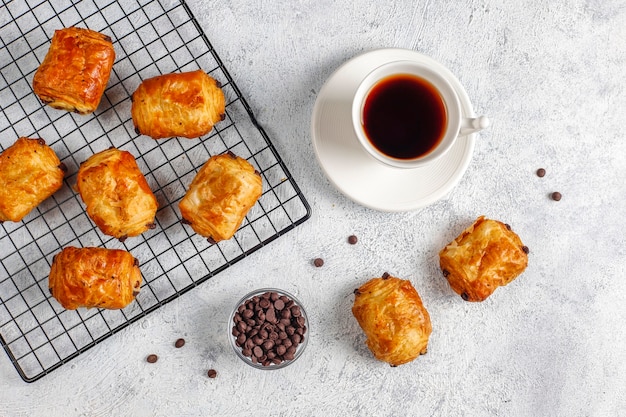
<point>551,78</point>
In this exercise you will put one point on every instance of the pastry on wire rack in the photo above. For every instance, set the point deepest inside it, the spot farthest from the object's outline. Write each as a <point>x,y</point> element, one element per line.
<point>184,104</point>
<point>117,195</point>
<point>75,71</point>
<point>392,316</point>
<point>220,196</point>
<point>485,256</point>
<point>30,172</point>
<point>94,277</point>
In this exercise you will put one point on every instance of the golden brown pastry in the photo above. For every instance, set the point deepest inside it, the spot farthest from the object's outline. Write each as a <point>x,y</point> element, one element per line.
<point>220,196</point>
<point>391,313</point>
<point>184,104</point>
<point>487,255</point>
<point>118,198</point>
<point>94,277</point>
<point>30,172</point>
<point>75,71</point>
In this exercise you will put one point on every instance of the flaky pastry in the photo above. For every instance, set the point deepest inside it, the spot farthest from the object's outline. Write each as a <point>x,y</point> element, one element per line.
<point>184,104</point>
<point>485,256</point>
<point>117,195</point>
<point>75,71</point>
<point>392,316</point>
<point>30,172</point>
<point>94,277</point>
<point>220,196</point>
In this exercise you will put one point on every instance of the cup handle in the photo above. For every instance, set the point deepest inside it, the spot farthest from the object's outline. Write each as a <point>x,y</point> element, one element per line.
<point>473,125</point>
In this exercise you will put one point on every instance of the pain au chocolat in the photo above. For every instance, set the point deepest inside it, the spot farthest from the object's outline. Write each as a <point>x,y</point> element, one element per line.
<point>75,71</point>
<point>30,172</point>
<point>117,195</point>
<point>485,256</point>
<point>184,104</point>
<point>94,277</point>
<point>220,196</point>
<point>392,316</point>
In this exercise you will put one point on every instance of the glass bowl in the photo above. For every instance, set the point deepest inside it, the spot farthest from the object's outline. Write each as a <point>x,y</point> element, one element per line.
<point>268,329</point>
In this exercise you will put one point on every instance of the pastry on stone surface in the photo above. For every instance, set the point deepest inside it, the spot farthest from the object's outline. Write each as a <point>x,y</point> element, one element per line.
<point>220,196</point>
<point>485,256</point>
<point>94,277</point>
<point>396,323</point>
<point>117,195</point>
<point>30,172</point>
<point>184,104</point>
<point>75,71</point>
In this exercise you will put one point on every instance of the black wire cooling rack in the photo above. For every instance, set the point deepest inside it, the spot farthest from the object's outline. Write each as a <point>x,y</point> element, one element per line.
<point>150,37</point>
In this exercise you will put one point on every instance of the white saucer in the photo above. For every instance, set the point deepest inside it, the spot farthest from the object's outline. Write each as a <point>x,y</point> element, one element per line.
<point>357,174</point>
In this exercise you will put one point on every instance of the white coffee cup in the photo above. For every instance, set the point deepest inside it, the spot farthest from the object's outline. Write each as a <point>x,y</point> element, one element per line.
<point>453,125</point>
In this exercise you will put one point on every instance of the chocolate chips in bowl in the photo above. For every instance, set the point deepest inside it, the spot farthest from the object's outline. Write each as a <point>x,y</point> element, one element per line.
<point>268,329</point>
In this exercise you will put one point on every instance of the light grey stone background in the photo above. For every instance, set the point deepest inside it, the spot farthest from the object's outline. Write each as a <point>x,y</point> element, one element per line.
<point>550,75</point>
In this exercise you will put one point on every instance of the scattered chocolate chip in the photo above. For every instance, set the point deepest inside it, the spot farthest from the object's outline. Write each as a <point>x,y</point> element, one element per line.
<point>508,226</point>
<point>41,141</point>
<point>445,272</point>
<point>137,130</point>
<point>180,343</point>
<point>222,116</point>
<point>352,239</point>
<point>107,38</point>
<point>231,154</point>
<point>218,84</point>
<point>256,171</point>
<point>525,249</point>
<point>136,262</point>
<point>211,240</point>
<point>465,296</point>
<point>393,366</point>
<point>151,226</point>
<point>357,292</point>
<point>212,373</point>
<point>423,352</point>
<point>152,358</point>
<point>63,167</point>
<point>123,238</point>
<point>50,289</point>
<point>318,262</point>
<point>385,275</point>
<point>556,196</point>
<point>541,172</point>
<point>185,221</point>
<point>135,293</point>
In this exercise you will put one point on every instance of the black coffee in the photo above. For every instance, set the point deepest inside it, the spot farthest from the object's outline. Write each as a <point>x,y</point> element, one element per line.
<point>404,117</point>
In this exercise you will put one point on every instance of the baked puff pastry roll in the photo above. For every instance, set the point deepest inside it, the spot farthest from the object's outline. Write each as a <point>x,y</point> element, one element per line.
<point>75,71</point>
<point>94,277</point>
<point>485,256</point>
<point>391,313</point>
<point>117,196</point>
<point>220,196</point>
<point>183,104</point>
<point>30,172</point>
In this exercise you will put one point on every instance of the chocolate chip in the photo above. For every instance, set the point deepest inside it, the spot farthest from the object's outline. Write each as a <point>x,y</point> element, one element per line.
<point>357,292</point>
<point>508,226</point>
<point>222,117</point>
<point>525,249</point>
<point>556,196</point>
<point>541,172</point>
<point>211,240</point>
<point>136,262</point>
<point>122,239</point>
<point>180,343</point>
<point>63,167</point>
<point>41,141</point>
<point>385,275</point>
<point>268,340</point>
<point>318,262</point>
<point>152,358</point>
<point>185,221</point>
<point>212,373</point>
<point>445,272</point>
<point>352,239</point>
<point>137,130</point>
<point>151,226</point>
<point>465,296</point>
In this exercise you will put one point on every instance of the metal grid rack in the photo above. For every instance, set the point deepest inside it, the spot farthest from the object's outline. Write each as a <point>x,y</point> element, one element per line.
<point>150,37</point>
